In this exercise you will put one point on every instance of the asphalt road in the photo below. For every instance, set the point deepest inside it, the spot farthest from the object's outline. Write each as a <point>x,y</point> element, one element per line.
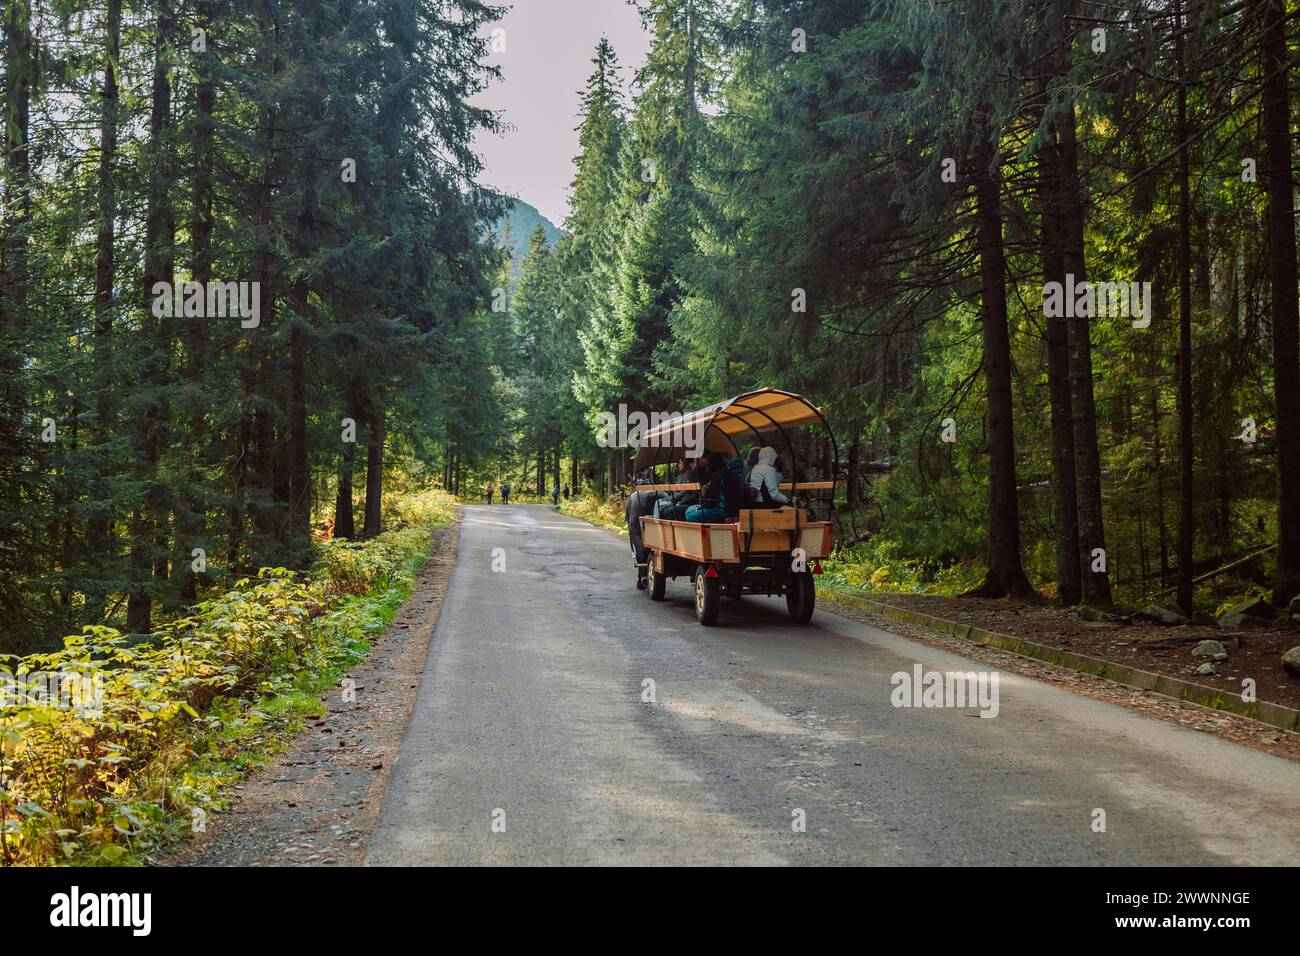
<point>531,743</point>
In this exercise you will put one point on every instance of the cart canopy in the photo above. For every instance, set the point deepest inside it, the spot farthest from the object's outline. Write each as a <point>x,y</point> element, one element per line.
<point>763,415</point>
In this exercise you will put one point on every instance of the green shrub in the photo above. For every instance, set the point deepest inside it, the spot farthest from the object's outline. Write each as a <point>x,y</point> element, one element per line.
<point>603,512</point>
<point>881,565</point>
<point>136,735</point>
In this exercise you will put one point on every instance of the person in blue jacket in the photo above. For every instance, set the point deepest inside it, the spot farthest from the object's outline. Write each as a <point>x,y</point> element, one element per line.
<point>722,496</point>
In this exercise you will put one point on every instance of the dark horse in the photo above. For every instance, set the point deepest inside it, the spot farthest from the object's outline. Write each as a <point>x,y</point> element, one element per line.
<point>640,504</point>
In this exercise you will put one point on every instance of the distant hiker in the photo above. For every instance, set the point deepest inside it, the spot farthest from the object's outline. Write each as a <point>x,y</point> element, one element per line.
<point>555,495</point>
<point>566,492</point>
<point>505,492</point>
<point>490,489</point>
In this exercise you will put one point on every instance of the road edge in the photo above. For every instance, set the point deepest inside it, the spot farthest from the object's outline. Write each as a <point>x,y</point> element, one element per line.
<point>270,810</point>
<point>1265,712</point>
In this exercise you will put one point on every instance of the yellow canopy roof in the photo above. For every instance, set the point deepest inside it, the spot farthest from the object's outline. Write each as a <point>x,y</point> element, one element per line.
<point>761,414</point>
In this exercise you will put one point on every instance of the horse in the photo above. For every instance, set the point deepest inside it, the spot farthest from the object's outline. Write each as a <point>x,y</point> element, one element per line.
<point>640,504</point>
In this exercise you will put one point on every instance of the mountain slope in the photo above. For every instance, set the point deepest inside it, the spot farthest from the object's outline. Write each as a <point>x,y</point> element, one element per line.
<point>514,228</point>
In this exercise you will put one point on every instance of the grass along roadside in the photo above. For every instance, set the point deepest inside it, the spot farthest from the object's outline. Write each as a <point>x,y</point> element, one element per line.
<point>146,755</point>
<point>604,513</point>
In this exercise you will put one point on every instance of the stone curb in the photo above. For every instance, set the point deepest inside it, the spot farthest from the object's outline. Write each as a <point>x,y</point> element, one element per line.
<point>1276,715</point>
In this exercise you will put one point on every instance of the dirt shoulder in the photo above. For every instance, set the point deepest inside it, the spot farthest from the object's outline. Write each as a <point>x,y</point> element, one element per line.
<point>317,803</point>
<point>1255,652</point>
<point>1060,628</point>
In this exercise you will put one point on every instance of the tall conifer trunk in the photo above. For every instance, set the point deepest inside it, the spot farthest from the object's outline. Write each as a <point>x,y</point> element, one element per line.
<point>1065,514</point>
<point>1006,576</point>
<point>1093,561</point>
<point>99,527</point>
<point>374,507</point>
<point>1186,486</point>
<point>1282,271</point>
<point>148,559</point>
<point>344,523</point>
<point>191,520</point>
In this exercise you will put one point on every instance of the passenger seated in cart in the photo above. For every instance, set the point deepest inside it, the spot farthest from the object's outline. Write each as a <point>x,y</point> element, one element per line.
<point>673,506</point>
<point>764,476</point>
<point>721,498</point>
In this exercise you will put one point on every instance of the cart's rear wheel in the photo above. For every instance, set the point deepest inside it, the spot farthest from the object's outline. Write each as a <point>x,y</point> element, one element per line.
<point>734,589</point>
<point>707,596</point>
<point>657,581</point>
<point>802,598</point>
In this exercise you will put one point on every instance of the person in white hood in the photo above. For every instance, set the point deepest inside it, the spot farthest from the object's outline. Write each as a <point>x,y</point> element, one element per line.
<point>765,473</point>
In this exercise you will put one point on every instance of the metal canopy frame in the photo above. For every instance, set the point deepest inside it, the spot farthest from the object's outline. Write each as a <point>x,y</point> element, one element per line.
<point>652,452</point>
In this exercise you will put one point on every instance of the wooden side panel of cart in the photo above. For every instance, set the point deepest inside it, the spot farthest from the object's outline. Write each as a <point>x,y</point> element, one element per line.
<point>756,532</point>
<point>701,543</point>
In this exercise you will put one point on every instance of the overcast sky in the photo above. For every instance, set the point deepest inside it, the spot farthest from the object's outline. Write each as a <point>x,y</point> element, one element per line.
<point>545,64</point>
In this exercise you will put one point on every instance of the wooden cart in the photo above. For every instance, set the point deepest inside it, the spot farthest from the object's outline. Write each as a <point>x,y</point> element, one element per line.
<point>765,552</point>
<point>772,551</point>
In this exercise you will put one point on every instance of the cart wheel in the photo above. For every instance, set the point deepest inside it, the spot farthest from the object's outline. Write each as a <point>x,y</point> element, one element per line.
<point>641,578</point>
<point>734,590</point>
<point>802,598</point>
<point>658,581</point>
<point>707,597</point>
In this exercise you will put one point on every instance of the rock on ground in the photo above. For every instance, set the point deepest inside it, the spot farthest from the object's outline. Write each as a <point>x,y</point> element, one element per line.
<point>1161,615</point>
<point>1211,649</point>
<point>1291,661</point>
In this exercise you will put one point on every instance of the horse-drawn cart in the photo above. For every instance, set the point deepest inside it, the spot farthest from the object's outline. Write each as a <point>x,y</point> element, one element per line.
<point>773,551</point>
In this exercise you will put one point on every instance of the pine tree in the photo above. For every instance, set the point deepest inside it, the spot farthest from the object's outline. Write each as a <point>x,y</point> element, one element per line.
<point>1274,73</point>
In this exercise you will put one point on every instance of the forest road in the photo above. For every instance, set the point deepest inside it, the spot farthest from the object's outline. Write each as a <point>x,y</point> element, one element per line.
<point>534,741</point>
